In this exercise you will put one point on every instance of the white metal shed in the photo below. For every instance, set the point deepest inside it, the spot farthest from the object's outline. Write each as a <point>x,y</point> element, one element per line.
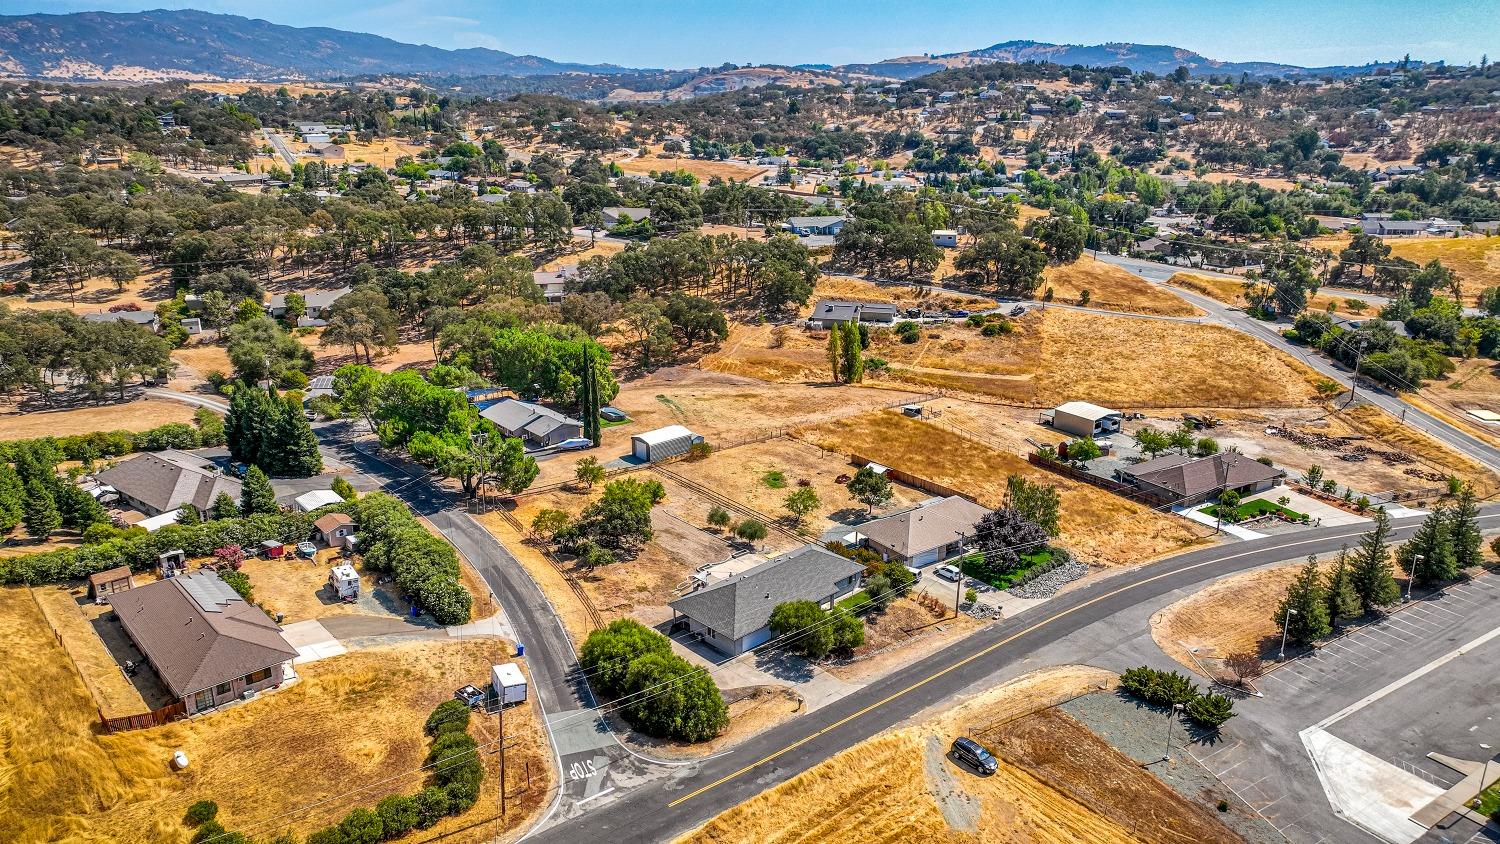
<point>509,683</point>
<point>1083,419</point>
<point>663,443</point>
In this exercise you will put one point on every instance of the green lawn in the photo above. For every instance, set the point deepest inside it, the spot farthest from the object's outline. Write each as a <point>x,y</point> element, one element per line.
<point>605,423</point>
<point>1254,510</point>
<point>970,567</point>
<point>1489,802</point>
<point>854,602</point>
<point>774,479</point>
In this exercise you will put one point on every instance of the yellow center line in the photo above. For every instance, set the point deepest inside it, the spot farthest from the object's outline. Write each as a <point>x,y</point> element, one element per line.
<point>966,660</point>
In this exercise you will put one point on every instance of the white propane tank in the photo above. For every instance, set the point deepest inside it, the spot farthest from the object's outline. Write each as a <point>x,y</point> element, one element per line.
<point>179,760</point>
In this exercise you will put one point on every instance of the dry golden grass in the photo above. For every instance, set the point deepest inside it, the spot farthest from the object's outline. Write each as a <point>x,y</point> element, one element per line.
<point>1098,526</point>
<point>1053,356</point>
<point>842,287</point>
<point>1112,288</point>
<point>382,152</point>
<point>132,416</point>
<point>351,721</point>
<point>1234,615</point>
<point>203,358</point>
<point>1370,421</point>
<point>597,248</point>
<point>101,673</point>
<point>570,611</point>
<point>298,588</point>
<point>1226,290</point>
<point>1475,260</point>
<point>1475,385</point>
<point>893,787</point>
<point>729,170</point>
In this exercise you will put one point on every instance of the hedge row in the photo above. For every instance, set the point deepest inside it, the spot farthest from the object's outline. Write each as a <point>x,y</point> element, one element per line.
<point>425,567</point>
<point>663,694</point>
<point>1168,688</point>
<point>99,444</point>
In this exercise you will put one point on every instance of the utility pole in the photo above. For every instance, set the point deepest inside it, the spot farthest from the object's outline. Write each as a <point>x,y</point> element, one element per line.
<point>1359,356</point>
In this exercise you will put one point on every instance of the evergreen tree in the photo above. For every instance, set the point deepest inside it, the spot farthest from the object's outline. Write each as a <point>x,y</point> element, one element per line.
<point>1467,542</point>
<point>250,414</point>
<point>291,448</point>
<point>1371,567</point>
<point>77,508</point>
<point>189,515</point>
<point>1308,603</point>
<point>589,399</point>
<point>836,352</point>
<point>1343,601</point>
<point>41,517</point>
<point>12,498</point>
<point>854,358</point>
<point>224,508</point>
<point>257,496</point>
<point>1433,544</point>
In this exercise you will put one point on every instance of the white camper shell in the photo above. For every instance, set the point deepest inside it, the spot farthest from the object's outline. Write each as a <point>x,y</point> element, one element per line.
<point>344,581</point>
<point>509,683</point>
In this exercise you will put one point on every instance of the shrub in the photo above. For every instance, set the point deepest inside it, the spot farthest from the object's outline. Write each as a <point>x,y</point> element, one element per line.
<point>449,716</point>
<point>774,479</point>
<point>210,829</point>
<point>398,815</point>
<point>432,805</point>
<point>608,651</point>
<point>1160,688</point>
<point>201,812</point>
<point>361,826</point>
<point>699,451</point>
<point>1210,711</point>
<point>719,517</point>
<point>1229,498</point>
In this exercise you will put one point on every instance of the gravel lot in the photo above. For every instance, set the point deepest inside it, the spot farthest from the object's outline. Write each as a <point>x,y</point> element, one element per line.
<point>1047,585</point>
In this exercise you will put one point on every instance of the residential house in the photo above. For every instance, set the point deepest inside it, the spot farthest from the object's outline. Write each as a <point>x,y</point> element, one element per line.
<point>830,312</point>
<point>319,386</point>
<point>158,482</point>
<point>336,530</point>
<point>615,215</point>
<point>1083,419</point>
<point>207,644</point>
<point>1186,481</point>
<point>931,532</point>
<point>146,319</point>
<point>1152,246</point>
<point>823,225</point>
<point>554,283</point>
<point>237,179</point>
<point>733,615</point>
<point>316,302</point>
<point>538,426</point>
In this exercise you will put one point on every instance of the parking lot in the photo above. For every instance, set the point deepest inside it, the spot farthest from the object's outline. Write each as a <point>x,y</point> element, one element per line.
<point>1387,694</point>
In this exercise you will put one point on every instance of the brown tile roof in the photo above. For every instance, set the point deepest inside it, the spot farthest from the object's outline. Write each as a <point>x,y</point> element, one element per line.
<point>1186,477</point>
<point>930,525</point>
<point>198,633</point>
<point>332,522</point>
<point>166,480</point>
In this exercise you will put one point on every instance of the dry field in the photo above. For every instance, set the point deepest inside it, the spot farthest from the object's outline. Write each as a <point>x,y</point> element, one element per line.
<point>138,415</point>
<point>1474,386</point>
<point>585,252</point>
<point>298,588</point>
<point>100,294</point>
<point>1273,182</point>
<point>1231,291</point>
<point>69,612</point>
<point>1375,424</point>
<point>1099,527</point>
<point>200,358</point>
<point>1234,615</point>
<point>382,152</point>
<point>1052,357</point>
<point>737,171</point>
<point>843,287</point>
<point>1475,260</point>
<point>739,474</point>
<point>1113,289</point>
<point>354,720</point>
<point>898,786</point>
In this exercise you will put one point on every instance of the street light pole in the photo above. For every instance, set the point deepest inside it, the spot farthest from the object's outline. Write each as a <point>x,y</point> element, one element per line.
<point>1411,576</point>
<point>1285,626</point>
<point>1171,718</point>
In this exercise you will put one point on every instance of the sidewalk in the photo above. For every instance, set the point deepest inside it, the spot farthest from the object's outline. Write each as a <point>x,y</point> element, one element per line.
<point>1205,519</point>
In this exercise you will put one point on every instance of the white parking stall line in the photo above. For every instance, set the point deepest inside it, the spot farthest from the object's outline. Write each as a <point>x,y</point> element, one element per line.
<point>1444,610</point>
<point>1388,635</point>
<point>1407,624</point>
<point>1221,750</point>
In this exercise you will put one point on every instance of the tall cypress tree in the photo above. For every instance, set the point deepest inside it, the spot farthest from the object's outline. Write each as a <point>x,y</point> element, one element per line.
<point>589,400</point>
<point>257,495</point>
<point>290,448</point>
<point>854,358</point>
<point>1371,567</point>
<point>836,352</point>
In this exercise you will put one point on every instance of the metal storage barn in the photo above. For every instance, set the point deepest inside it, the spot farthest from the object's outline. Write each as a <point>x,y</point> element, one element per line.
<point>1082,419</point>
<point>663,443</point>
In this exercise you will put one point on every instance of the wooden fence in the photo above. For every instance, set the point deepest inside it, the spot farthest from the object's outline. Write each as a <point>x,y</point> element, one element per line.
<point>912,480</point>
<point>1122,490</point>
<point>155,718</point>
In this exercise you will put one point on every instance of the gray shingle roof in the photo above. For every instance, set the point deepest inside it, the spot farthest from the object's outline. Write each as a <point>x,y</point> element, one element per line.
<point>742,604</point>
<point>166,480</point>
<point>198,633</point>
<point>312,298</point>
<point>932,524</point>
<point>1187,477</point>
<point>513,416</point>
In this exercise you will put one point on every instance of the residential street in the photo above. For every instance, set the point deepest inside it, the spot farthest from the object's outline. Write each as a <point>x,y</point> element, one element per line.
<point>1107,612</point>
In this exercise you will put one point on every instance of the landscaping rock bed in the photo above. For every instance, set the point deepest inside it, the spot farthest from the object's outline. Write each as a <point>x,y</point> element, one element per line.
<point>1047,584</point>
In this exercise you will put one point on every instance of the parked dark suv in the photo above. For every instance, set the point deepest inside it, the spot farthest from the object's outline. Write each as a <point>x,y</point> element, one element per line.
<point>972,754</point>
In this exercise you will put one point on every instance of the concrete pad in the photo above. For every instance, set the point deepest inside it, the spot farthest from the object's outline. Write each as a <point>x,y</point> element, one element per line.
<point>1367,791</point>
<point>312,641</point>
<point>496,626</point>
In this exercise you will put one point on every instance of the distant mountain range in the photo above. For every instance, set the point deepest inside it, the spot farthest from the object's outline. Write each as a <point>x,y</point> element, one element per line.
<point>193,45</point>
<point>189,44</point>
<point>1160,59</point>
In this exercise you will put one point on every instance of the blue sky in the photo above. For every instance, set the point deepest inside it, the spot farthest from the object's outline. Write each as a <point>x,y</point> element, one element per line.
<point>663,33</point>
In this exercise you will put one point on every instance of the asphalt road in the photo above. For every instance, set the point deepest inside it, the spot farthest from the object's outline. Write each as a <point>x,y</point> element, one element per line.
<point>1270,333</point>
<point>662,808</point>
